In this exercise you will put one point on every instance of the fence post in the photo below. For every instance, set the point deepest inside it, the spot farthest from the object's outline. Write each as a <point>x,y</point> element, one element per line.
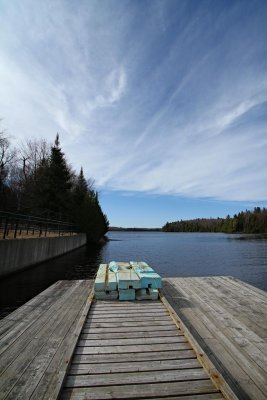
<point>5,230</point>
<point>16,227</point>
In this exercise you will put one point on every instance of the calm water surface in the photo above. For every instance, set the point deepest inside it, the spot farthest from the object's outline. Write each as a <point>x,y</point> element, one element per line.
<point>170,254</point>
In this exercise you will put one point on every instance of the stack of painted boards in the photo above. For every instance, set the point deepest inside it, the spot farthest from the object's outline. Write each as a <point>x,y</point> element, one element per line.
<point>127,281</point>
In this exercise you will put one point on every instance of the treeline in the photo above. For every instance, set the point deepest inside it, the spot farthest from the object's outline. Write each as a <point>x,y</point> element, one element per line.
<point>244,222</point>
<point>37,179</point>
<point>116,228</point>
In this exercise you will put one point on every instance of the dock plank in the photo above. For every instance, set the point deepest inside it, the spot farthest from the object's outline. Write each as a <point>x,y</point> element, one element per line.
<point>229,319</point>
<point>30,359</point>
<point>137,341</point>
<point>142,357</point>
<point>129,318</point>
<point>131,349</point>
<point>133,366</point>
<point>140,391</point>
<point>61,345</point>
<point>41,339</point>
<point>21,334</point>
<point>124,332</point>
<point>22,318</point>
<point>139,377</point>
<point>124,357</point>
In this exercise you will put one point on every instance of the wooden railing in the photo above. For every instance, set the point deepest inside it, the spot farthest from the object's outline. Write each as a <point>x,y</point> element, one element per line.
<point>14,225</point>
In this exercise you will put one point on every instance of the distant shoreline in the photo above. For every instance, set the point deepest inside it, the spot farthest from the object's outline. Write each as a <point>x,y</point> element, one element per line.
<point>114,228</point>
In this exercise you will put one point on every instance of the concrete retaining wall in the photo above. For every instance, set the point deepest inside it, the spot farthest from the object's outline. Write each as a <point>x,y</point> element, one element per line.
<point>17,254</point>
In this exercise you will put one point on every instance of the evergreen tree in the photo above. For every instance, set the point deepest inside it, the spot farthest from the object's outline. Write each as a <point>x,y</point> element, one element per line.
<point>80,189</point>
<point>56,179</point>
<point>244,222</point>
<point>42,182</point>
<point>91,218</point>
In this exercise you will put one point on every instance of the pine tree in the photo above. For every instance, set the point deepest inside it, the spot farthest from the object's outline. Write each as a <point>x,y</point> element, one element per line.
<point>92,220</point>
<point>80,189</point>
<point>56,178</point>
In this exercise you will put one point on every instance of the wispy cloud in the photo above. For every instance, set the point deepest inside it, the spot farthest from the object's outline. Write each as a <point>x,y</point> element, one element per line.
<point>175,106</point>
<point>113,89</point>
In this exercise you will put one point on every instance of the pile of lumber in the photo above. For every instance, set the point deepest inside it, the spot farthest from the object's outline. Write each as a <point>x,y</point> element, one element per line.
<point>127,281</point>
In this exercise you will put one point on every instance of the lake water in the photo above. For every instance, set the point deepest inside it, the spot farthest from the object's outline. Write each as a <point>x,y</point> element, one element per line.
<point>170,254</point>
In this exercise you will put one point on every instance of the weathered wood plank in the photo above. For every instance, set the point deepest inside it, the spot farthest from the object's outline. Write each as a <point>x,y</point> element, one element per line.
<point>128,357</point>
<point>132,304</point>
<point>207,396</point>
<point>25,347</point>
<point>218,324</point>
<point>132,366</point>
<point>52,379</point>
<point>71,394</point>
<point>230,319</point>
<point>122,334</point>
<point>140,391</point>
<point>33,359</point>
<point>118,311</point>
<point>125,378</point>
<point>243,287</point>
<point>132,311</point>
<point>116,306</point>
<point>32,315</point>
<point>146,329</point>
<point>129,316</point>
<point>233,367</point>
<point>129,341</point>
<point>132,349</point>
<point>92,324</point>
<point>25,360</point>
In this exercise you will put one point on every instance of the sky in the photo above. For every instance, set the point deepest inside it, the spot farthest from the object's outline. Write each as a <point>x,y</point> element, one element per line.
<point>163,102</point>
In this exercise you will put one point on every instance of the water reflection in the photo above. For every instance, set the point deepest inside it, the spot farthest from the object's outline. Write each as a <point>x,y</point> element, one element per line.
<point>170,254</point>
<point>22,286</point>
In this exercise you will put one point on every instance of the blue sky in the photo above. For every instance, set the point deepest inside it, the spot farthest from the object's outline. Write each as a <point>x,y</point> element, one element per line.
<point>163,103</point>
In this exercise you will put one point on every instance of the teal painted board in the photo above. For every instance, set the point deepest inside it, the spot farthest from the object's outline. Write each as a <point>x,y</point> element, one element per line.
<point>123,278</point>
<point>154,294</point>
<point>147,294</point>
<point>113,266</point>
<point>141,266</point>
<point>135,280</point>
<point>112,283</point>
<point>149,280</point>
<point>100,278</point>
<point>107,295</point>
<point>128,279</point>
<point>124,265</point>
<point>127,295</point>
<point>102,268</point>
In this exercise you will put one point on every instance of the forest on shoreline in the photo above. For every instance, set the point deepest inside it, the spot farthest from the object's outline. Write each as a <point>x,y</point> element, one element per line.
<point>37,179</point>
<point>254,221</point>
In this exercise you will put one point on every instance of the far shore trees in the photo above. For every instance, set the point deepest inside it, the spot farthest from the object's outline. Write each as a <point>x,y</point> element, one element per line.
<point>244,222</point>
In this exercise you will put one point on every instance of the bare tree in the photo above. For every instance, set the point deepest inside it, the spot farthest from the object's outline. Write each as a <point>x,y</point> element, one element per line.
<point>7,155</point>
<point>7,160</point>
<point>32,154</point>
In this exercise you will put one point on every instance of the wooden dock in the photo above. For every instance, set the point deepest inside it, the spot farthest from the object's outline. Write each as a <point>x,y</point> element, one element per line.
<point>228,319</point>
<point>37,341</point>
<point>134,350</point>
<point>205,339</point>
